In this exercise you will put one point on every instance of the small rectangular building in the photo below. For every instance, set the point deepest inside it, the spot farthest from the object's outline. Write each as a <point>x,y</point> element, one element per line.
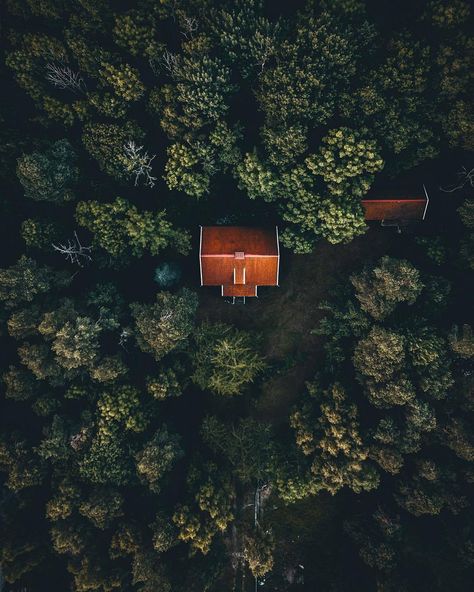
<point>239,259</point>
<point>396,208</point>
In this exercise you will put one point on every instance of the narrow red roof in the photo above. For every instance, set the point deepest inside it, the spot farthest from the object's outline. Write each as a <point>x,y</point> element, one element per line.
<point>239,258</point>
<point>395,208</point>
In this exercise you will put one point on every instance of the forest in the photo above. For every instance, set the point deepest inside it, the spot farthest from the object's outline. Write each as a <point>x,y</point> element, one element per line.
<point>155,437</point>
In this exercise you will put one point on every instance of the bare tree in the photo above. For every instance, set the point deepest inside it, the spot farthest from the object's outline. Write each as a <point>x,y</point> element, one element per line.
<point>465,177</point>
<point>125,334</point>
<point>171,62</point>
<point>74,251</point>
<point>64,78</point>
<point>138,163</point>
<point>189,24</point>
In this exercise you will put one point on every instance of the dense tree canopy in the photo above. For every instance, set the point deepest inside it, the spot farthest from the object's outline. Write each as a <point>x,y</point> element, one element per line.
<point>154,437</point>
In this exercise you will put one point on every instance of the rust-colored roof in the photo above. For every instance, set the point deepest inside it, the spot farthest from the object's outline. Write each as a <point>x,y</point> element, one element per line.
<point>395,208</point>
<point>239,258</point>
<point>228,240</point>
<point>247,290</point>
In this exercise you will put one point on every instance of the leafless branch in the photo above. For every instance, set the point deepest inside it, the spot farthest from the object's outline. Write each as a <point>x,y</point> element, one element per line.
<point>124,335</point>
<point>64,78</point>
<point>74,251</point>
<point>171,62</point>
<point>465,177</point>
<point>190,26</point>
<point>138,163</point>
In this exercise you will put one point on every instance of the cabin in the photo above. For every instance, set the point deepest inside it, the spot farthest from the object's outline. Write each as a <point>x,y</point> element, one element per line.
<point>239,259</point>
<point>396,210</point>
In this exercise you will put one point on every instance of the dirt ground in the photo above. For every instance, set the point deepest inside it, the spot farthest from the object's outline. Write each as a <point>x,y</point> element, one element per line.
<point>286,315</point>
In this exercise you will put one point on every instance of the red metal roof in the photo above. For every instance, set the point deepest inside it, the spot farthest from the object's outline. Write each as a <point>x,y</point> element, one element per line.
<point>228,240</point>
<point>246,290</point>
<point>395,208</point>
<point>239,258</point>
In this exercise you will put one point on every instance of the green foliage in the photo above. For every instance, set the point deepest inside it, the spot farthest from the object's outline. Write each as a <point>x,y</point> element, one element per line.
<point>285,143</point>
<point>462,342</point>
<point>380,355</point>
<point>20,553</point>
<point>24,322</point>
<point>334,438</point>
<point>76,344</point>
<point>429,491</point>
<point>120,228</point>
<point>107,461</point>
<point>312,68</point>
<point>319,198</point>
<point>212,508</point>
<point>148,570</point>
<point>246,37</point>
<point>341,220</point>
<point>247,445</point>
<point>447,14</point>
<point>102,507</point>
<point>258,552</point>
<point>23,469</point>
<point>105,142</point>
<point>380,289</point>
<point>108,369</point>
<point>54,447</point>
<point>347,161</point>
<point>20,385</point>
<point>69,538</point>
<point>164,534</point>
<point>203,85</point>
<point>135,32</point>
<point>165,325</point>
<point>124,79</point>
<point>181,173</point>
<point>120,407</point>
<point>126,540</point>
<point>38,233</point>
<point>168,383</point>
<point>378,539</point>
<point>50,175</point>
<point>28,60</point>
<point>38,359</point>
<point>25,280</point>
<point>190,166</point>
<point>433,247</point>
<point>459,438</point>
<point>225,359</point>
<point>113,106</point>
<point>62,505</point>
<point>466,212</point>
<point>157,458</point>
